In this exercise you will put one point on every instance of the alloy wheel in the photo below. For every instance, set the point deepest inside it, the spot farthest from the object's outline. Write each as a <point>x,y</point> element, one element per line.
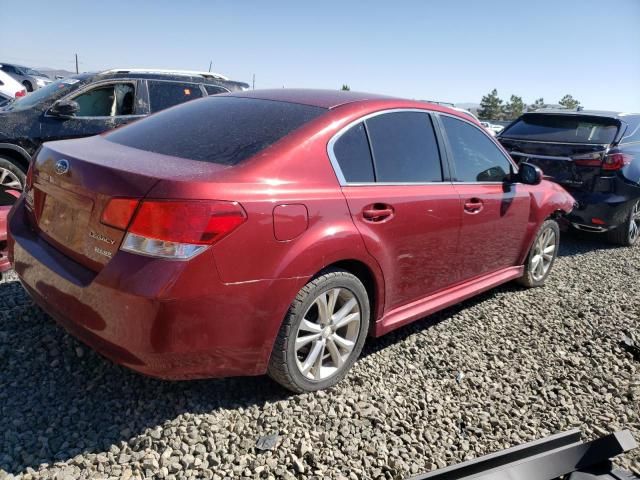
<point>8,179</point>
<point>543,254</point>
<point>634,223</point>
<point>327,334</point>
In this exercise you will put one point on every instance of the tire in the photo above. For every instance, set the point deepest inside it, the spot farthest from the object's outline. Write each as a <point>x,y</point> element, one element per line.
<point>294,368</point>
<point>28,86</point>
<point>536,270</point>
<point>627,234</point>
<point>10,173</point>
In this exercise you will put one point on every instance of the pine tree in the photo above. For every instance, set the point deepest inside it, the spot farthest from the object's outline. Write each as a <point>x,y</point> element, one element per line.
<point>569,102</point>
<point>514,108</point>
<point>490,106</point>
<point>346,87</point>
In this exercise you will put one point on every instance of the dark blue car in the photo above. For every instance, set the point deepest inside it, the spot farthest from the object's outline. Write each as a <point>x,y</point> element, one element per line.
<point>595,156</point>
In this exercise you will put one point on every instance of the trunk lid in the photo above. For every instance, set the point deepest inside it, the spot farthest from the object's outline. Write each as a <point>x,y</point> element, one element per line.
<point>571,165</point>
<point>74,180</point>
<point>569,147</point>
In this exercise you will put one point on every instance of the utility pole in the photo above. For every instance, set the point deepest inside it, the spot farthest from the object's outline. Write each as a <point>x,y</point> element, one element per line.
<point>253,84</point>
<point>77,63</point>
<point>210,65</point>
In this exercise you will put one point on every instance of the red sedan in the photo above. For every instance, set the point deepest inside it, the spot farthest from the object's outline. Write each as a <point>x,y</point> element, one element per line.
<point>272,231</point>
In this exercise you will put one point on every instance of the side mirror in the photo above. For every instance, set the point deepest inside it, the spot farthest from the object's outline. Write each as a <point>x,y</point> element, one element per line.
<point>65,108</point>
<point>529,174</point>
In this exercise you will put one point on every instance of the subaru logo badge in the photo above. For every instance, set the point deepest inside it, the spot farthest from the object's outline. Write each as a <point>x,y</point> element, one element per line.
<point>62,166</point>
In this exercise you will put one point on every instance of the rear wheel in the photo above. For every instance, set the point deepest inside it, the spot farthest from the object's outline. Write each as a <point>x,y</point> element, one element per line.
<point>322,334</point>
<point>628,233</point>
<point>11,176</point>
<point>542,255</point>
<point>28,86</point>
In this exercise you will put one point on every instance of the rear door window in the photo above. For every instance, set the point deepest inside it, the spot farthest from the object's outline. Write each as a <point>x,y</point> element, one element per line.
<point>354,156</point>
<point>163,94</point>
<point>475,156</point>
<point>218,129</point>
<point>563,129</point>
<point>404,148</point>
<point>112,100</point>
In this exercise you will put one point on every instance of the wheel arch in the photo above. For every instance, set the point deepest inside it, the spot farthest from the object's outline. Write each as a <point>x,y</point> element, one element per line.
<point>373,284</point>
<point>17,154</point>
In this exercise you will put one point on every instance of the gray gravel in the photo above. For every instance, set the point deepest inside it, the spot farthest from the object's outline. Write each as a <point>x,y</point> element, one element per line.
<point>509,366</point>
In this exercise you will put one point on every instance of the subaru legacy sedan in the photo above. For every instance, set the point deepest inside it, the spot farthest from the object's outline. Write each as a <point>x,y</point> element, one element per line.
<point>273,231</point>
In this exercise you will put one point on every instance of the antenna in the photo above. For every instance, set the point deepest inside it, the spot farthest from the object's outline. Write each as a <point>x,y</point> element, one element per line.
<point>77,63</point>
<point>210,64</point>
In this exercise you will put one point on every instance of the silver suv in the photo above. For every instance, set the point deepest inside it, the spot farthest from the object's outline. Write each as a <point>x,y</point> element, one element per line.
<point>30,78</point>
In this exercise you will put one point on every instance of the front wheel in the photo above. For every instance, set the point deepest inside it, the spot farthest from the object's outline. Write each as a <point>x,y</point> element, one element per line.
<point>628,233</point>
<point>322,334</point>
<point>11,176</point>
<point>542,255</point>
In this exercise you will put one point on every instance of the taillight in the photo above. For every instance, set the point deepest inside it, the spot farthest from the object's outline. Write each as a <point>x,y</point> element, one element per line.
<point>119,211</point>
<point>175,229</point>
<point>616,161</point>
<point>21,93</point>
<point>588,160</point>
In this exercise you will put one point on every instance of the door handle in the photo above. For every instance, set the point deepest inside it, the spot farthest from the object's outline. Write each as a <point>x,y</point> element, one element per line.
<point>378,212</point>
<point>473,205</point>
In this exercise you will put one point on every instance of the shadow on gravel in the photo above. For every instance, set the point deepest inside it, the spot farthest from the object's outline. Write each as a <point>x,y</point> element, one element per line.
<point>574,242</point>
<point>59,399</point>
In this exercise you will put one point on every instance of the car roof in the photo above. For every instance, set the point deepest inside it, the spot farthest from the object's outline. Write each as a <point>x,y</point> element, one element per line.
<point>316,98</point>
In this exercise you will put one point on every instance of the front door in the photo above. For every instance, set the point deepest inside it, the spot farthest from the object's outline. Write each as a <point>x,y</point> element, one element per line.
<point>103,107</point>
<point>409,217</point>
<point>495,211</point>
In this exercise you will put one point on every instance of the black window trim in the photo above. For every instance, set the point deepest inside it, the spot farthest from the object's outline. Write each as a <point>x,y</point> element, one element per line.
<point>449,154</point>
<point>99,83</point>
<point>446,178</point>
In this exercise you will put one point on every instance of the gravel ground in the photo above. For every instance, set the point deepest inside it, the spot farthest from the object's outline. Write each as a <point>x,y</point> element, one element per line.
<point>509,366</point>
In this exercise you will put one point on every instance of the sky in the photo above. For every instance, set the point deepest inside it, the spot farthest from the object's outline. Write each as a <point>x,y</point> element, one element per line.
<point>446,50</point>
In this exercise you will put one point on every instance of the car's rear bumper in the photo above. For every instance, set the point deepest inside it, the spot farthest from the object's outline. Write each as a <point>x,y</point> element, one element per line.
<point>172,320</point>
<point>602,211</point>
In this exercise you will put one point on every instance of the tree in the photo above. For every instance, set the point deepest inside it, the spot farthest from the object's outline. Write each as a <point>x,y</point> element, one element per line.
<point>490,106</point>
<point>569,102</point>
<point>538,104</point>
<point>346,87</point>
<point>514,108</point>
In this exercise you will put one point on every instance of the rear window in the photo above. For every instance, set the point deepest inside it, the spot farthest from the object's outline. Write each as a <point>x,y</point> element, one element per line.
<point>222,130</point>
<point>563,128</point>
<point>167,94</point>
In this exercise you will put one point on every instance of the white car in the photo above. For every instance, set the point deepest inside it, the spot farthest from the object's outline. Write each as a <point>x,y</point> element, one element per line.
<point>10,87</point>
<point>489,128</point>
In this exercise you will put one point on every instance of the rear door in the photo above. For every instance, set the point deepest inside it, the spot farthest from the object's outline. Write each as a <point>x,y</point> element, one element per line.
<point>569,148</point>
<point>409,215</point>
<point>494,212</point>
<point>164,93</point>
<point>103,106</point>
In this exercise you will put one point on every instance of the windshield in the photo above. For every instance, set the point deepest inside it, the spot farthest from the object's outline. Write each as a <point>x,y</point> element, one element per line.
<point>50,92</point>
<point>564,128</point>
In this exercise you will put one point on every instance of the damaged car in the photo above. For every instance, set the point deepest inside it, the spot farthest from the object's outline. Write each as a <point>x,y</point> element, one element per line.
<point>278,240</point>
<point>595,155</point>
<point>92,103</point>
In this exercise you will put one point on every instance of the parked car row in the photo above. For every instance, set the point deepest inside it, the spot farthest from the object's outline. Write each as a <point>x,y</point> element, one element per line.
<point>28,77</point>
<point>275,241</point>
